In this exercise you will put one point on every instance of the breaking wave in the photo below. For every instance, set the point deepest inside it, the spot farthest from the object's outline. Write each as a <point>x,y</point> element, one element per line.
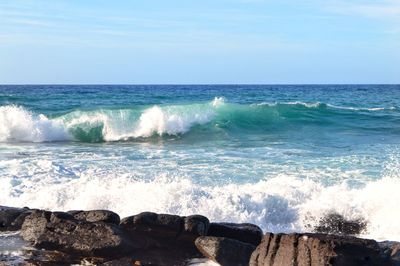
<point>17,124</point>
<point>281,204</point>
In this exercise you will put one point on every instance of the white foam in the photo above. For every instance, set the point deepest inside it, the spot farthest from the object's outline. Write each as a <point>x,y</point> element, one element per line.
<point>319,104</point>
<point>308,105</point>
<point>170,121</point>
<point>18,124</point>
<point>371,109</point>
<point>218,101</point>
<point>280,204</point>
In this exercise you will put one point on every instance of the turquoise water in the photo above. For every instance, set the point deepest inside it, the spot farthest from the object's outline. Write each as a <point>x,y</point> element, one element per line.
<point>278,156</point>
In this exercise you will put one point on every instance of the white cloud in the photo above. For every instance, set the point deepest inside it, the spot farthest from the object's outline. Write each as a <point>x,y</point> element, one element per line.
<point>30,22</point>
<point>379,10</point>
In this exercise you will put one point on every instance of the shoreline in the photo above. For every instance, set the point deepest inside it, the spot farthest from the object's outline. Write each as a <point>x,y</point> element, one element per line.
<point>101,237</point>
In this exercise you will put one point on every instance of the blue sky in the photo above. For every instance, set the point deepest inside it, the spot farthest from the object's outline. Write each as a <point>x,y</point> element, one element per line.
<point>204,41</point>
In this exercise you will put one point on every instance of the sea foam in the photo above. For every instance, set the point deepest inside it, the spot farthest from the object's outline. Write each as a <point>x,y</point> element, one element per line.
<point>280,204</point>
<point>18,124</point>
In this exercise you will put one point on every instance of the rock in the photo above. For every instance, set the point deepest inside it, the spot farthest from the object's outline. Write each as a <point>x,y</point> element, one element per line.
<point>96,216</point>
<point>166,239</point>
<point>62,232</point>
<point>395,254</point>
<point>11,219</point>
<point>48,257</point>
<point>122,262</point>
<point>334,223</point>
<point>248,233</point>
<point>160,227</point>
<point>193,227</point>
<point>391,250</point>
<point>315,250</point>
<point>225,251</point>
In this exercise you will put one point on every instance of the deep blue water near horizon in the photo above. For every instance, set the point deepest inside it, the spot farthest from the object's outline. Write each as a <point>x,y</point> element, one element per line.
<point>280,156</point>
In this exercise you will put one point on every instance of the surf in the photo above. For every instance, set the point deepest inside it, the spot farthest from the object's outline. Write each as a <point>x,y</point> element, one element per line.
<point>18,124</point>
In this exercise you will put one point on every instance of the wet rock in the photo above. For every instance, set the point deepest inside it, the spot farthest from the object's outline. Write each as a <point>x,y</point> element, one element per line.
<point>315,250</point>
<point>122,262</point>
<point>248,233</point>
<point>391,250</point>
<point>164,229</point>
<point>166,239</point>
<point>61,231</point>
<point>11,219</point>
<point>225,251</point>
<point>334,223</point>
<point>48,257</point>
<point>96,216</point>
<point>193,227</point>
<point>153,224</point>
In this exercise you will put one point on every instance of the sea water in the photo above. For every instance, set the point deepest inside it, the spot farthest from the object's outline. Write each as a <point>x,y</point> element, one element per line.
<point>278,156</point>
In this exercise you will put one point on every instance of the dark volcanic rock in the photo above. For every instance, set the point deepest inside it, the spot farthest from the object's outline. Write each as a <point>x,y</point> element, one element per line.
<point>121,262</point>
<point>160,227</point>
<point>196,225</point>
<point>225,251</point>
<point>315,250</point>
<point>391,250</point>
<point>11,219</point>
<point>193,227</point>
<point>334,223</point>
<point>248,233</point>
<point>166,239</point>
<point>61,231</point>
<point>48,257</point>
<point>96,216</point>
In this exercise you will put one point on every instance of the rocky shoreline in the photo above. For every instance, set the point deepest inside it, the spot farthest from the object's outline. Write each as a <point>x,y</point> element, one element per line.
<point>100,237</point>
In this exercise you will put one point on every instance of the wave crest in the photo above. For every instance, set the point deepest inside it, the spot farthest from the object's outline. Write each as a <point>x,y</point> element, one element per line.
<point>172,121</point>
<point>19,124</point>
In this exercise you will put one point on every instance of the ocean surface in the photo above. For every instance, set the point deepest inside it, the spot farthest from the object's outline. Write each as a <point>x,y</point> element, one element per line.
<point>278,156</point>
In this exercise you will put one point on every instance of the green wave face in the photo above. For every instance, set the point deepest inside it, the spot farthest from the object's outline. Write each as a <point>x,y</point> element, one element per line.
<point>203,120</point>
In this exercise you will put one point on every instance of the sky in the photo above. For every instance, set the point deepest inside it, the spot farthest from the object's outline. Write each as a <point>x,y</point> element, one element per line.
<point>199,42</point>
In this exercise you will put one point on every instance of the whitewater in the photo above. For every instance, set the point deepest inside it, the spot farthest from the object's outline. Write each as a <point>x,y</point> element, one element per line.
<point>281,157</point>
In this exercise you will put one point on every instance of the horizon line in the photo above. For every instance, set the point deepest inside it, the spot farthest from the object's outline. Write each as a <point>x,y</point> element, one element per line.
<point>189,84</point>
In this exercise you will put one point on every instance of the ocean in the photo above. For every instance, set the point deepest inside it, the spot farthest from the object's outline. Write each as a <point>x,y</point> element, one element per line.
<point>279,156</point>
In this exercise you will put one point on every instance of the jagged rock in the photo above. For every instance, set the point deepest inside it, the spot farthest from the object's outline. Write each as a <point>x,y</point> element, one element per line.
<point>162,239</point>
<point>391,250</point>
<point>11,219</point>
<point>196,225</point>
<point>315,250</point>
<point>61,231</point>
<point>96,216</point>
<point>160,227</point>
<point>166,239</point>
<point>225,251</point>
<point>248,233</point>
<point>149,223</point>
<point>334,223</point>
<point>395,254</point>
<point>193,227</point>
